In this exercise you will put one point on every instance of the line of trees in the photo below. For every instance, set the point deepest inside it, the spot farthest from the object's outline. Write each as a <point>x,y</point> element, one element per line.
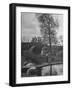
<point>36,40</point>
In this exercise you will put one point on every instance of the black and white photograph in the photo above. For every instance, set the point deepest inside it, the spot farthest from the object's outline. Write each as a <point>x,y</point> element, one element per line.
<point>39,44</point>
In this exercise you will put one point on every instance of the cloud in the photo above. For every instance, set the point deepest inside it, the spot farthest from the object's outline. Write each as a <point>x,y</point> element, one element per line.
<point>30,25</point>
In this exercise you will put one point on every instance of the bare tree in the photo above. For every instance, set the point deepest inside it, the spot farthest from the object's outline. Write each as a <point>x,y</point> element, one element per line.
<point>34,40</point>
<point>48,25</point>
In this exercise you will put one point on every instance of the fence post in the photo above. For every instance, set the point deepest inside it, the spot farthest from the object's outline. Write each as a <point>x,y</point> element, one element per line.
<point>50,69</point>
<point>39,71</point>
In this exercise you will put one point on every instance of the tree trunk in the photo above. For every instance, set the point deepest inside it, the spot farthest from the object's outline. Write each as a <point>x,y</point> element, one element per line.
<point>50,44</point>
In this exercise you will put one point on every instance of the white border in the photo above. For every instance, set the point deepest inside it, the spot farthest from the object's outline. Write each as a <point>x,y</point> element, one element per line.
<point>64,77</point>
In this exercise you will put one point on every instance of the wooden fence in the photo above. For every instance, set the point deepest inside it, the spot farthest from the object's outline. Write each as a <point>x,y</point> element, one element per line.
<point>39,67</point>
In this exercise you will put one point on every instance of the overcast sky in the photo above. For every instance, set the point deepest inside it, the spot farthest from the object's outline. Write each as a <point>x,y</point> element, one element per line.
<point>30,26</point>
